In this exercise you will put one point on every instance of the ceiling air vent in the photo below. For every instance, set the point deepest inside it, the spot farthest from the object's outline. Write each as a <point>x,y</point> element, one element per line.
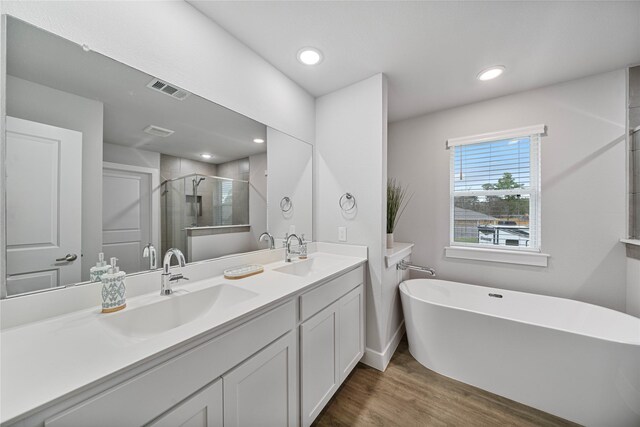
<point>158,131</point>
<point>167,89</point>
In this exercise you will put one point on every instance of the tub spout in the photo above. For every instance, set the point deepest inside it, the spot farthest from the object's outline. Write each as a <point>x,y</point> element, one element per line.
<point>403,265</point>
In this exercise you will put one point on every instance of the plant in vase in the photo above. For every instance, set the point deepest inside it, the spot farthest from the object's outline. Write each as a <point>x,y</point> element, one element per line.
<point>397,201</point>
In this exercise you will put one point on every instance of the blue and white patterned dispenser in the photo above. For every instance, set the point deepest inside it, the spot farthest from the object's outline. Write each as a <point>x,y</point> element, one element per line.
<point>101,268</point>
<point>114,291</point>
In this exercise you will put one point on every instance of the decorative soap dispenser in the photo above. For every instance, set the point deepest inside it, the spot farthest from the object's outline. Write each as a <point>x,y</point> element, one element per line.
<point>101,268</point>
<point>113,289</point>
<point>303,248</point>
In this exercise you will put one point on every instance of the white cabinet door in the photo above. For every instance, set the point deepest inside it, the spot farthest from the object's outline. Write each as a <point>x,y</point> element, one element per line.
<point>319,361</point>
<point>203,409</point>
<point>351,331</point>
<point>44,186</point>
<point>262,391</point>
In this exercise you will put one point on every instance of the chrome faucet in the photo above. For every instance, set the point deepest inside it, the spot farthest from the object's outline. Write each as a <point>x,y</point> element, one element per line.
<point>288,252</point>
<point>269,237</point>
<point>150,252</point>
<point>404,265</point>
<point>167,277</point>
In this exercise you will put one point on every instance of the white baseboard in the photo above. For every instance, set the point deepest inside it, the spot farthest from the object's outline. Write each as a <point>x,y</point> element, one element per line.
<point>378,360</point>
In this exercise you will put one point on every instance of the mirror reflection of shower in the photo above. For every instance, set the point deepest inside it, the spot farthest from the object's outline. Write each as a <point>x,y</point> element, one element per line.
<point>196,202</point>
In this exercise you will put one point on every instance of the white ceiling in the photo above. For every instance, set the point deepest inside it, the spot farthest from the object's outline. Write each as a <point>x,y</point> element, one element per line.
<point>432,51</point>
<point>200,126</point>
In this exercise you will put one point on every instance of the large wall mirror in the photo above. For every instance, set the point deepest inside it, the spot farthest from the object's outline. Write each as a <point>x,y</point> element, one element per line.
<point>104,158</point>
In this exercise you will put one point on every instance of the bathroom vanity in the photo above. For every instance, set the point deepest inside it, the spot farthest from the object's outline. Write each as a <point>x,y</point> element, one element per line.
<point>268,350</point>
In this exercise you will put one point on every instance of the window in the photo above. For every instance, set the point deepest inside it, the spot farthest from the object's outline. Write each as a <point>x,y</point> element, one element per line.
<point>224,202</point>
<point>495,190</point>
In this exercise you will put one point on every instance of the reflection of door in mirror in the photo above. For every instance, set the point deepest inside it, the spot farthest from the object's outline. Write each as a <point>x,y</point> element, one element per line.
<point>44,176</point>
<point>127,214</point>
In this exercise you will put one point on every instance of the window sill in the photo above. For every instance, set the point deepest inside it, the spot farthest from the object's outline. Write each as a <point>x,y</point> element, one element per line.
<point>536,259</point>
<point>634,242</point>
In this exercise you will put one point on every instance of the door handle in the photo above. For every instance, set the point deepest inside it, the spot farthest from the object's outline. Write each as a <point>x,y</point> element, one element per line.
<point>68,258</point>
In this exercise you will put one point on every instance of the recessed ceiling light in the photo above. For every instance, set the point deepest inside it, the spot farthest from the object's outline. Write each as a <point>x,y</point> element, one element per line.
<point>309,56</point>
<point>206,155</point>
<point>491,73</point>
<point>258,140</point>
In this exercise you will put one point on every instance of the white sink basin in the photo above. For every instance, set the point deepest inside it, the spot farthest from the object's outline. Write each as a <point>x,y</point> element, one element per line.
<point>175,310</point>
<point>306,267</point>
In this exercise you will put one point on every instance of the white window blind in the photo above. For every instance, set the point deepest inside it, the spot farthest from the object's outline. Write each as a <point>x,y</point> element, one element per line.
<point>224,202</point>
<point>495,189</point>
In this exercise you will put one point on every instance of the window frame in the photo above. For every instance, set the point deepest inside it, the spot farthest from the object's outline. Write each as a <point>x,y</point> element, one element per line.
<point>535,134</point>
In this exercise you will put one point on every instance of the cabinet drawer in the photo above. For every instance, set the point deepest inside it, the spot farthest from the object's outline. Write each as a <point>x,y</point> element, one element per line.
<point>320,297</point>
<point>144,397</point>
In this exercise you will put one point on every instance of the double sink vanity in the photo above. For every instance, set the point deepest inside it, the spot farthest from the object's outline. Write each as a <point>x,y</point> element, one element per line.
<point>268,350</point>
<point>138,170</point>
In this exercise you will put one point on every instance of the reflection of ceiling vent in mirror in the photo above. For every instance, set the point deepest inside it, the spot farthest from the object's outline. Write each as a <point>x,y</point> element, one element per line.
<point>167,89</point>
<point>158,131</point>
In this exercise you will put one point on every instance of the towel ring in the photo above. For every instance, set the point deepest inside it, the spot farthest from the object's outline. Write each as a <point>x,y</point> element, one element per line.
<point>286,204</point>
<point>347,202</point>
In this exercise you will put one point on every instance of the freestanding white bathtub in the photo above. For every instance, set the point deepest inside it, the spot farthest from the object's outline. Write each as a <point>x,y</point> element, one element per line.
<point>574,360</point>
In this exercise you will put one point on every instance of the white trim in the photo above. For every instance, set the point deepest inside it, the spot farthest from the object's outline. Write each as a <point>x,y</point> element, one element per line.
<point>521,257</point>
<point>535,199</point>
<point>155,195</point>
<point>539,129</point>
<point>378,360</point>
<point>398,252</point>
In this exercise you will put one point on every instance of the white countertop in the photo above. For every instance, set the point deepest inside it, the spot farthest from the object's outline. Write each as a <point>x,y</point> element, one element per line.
<point>44,361</point>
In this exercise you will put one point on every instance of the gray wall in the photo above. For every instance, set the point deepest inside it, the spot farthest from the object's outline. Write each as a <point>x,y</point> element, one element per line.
<point>173,167</point>
<point>30,101</point>
<point>235,169</point>
<point>583,187</point>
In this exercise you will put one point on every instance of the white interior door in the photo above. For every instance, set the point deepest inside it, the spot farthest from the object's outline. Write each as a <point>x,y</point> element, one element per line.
<point>44,201</point>
<point>128,214</point>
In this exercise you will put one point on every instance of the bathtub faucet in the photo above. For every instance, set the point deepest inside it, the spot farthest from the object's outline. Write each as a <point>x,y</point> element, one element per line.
<point>403,265</point>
